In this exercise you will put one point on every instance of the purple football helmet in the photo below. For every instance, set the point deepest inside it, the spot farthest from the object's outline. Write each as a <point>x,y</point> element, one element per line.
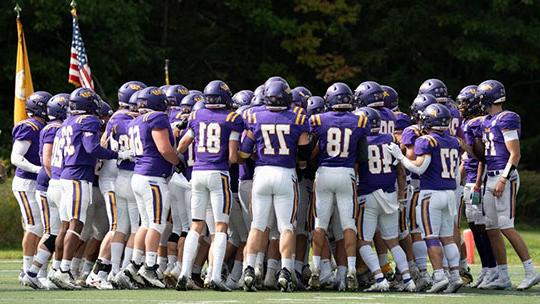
<point>133,101</point>
<point>315,105</point>
<point>420,103</point>
<point>199,105</point>
<point>152,98</point>
<point>436,88</point>
<point>278,95</point>
<point>491,92</point>
<point>105,109</point>
<point>275,78</point>
<point>242,98</point>
<point>369,94</point>
<point>467,103</point>
<point>195,92</point>
<point>190,100</point>
<point>175,93</point>
<point>300,96</point>
<point>339,96</point>
<point>373,116</point>
<point>258,96</point>
<point>391,97</point>
<point>436,117</point>
<point>57,106</point>
<point>126,90</point>
<point>217,94</point>
<point>84,101</point>
<point>36,104</point>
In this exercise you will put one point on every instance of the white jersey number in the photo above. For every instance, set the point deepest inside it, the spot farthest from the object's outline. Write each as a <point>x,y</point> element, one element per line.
<point>209,138</point>
<point>338,142</point>
<point>135,140</point>
<point>380,160</point>
<point>280,131</point>
<point>67,133</point>
<point>449,162</point>
<point>387,127</point>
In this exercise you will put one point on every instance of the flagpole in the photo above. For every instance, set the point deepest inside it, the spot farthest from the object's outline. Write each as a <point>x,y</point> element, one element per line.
<point>17,10</point>
<point>167,72</point>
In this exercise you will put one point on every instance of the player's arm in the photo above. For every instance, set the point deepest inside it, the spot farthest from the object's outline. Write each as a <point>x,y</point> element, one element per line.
<point>47,158</point>
<point>362,150</point>
<point>466,148</point>
<point>304,150</point>
<point>234,143</point>
<point>186,140</point>
<point>417,166</point>
<point>479,175</point>
<point>163,145</point>
<point>401,182</point>
<point>247,146</point>
<point>511,141</point>
<point>92,145</point>
<point>409,152</point>
<point>20,147</point>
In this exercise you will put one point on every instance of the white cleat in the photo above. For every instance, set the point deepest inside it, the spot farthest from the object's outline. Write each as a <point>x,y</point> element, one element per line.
<point>124,281</point>
<point>64,280</point>
<point>92,280</point>
<point>232,283</point>
<point>380,286</point>
<point>408,287</point>
<point>500,284</point>
<point>479,279</point>
<point>439,286</point>
<point>132,272</point>
<point>454,286</point>
<point>352,282</point>
<point>150,275</point>
<point>491,276</point>
<point>529,281</point>
<point>33,282</point>
<point>423,282</point>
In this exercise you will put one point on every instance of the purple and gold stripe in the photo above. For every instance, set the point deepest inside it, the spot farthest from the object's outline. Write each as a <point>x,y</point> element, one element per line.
<point>354,199</point>
<point>412,211</point>
<point>295,202</point>
<point>425,216</point>
<point>27,209</point>
<point>360,220</point>
<point>76,199</point>
<point>402,220</point>
<point>157,203</point>
<point>225,185</point>
<point>513,195</point>
<point>46,214</point>
<point>114,211</point>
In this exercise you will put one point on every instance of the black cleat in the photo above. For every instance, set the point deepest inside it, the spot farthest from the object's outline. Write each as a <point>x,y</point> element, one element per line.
<point>249,279</point>
<point>285,281</point>
<point>219,286</point>
<point>182,283</point>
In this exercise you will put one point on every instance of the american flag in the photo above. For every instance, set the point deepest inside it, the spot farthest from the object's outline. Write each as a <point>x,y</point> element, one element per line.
<point>79,70</point>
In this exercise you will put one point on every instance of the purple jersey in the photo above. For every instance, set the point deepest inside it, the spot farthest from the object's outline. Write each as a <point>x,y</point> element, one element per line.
<point>212,130</point>
<point>46,136</point>
<point>28,130</point>
<point>57,160</point>
<point>175,115</point>
<point>402,121</point>
<point>338,133</point>
<point>496,153</point>
<point>276,136</point>
<point>444,151</point>
<point>408,138</point>
<point>379,171</point>
<point>189,157</point>
<point>456,119</point>
<point>148,160</point>
<point>388,120</point>
<point>80,143</point>
<point>118,134</point>
<point>472,129</point>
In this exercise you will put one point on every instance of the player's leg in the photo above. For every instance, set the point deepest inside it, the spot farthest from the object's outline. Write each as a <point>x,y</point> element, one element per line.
<point>304,194</point>
<point>450,247</point>
<point>238,239</point>
<point>419,246</point>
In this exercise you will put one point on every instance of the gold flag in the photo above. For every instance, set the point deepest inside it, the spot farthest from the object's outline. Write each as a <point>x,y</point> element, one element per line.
<point>23,78</point>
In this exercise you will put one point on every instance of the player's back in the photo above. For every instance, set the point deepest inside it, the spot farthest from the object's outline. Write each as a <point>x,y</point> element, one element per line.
<point>495,147</point>
<point>378,172</point>
<point>444,151</point>
<point>276,134</point>
<point>148,159</point>
<point>472,128</point>
<point>212,129</point>
<point>388,120</point>
<point>455,122</point>
<point>28,130</point>
<point>338,134</point>
<point>118,130</point>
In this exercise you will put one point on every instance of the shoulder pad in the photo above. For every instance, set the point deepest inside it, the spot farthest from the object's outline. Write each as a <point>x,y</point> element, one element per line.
<point>432,141</point>
<point>80,119</point>
<point>362,120</point>
<point>231,116</point>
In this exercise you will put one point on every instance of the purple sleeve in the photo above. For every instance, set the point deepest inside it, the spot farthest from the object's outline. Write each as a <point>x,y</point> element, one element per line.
<point>22,132</point>
<point>510,121</point>
<point>423,146</point>
<point>304,126</point>
<point>408,137</point>
<point>160,121</point>
<point>48,135</point>
<point>92,146</point>
<point>313,126</point>
<point>238,125</point>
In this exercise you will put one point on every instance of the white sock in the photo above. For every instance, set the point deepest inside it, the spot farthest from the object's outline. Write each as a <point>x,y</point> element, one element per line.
<point>220,245</point>
<point>65,265</point>
<point>370,258</point>
<point>351,264</point>
<point>529,267</point>
<point>236,271</point>
<point>151,258</point>
<point>454,275</point>
<point>383,259</point>
<point>326,267</point>
<point>190,251</point>
<point>420,255</point>
<point>116,256</point>
<point>503,271</point>
<point>43,271</point>
<point>249,260</point>
<point>138,256</point>
<point>56,264</point>
<point>401,261</point>
<point>273,264</point>
<point>451,253</point>
<point>341,273</point>
<point>75,263</point>
<point>298,265</point>
<point>87,266</point>
<point>27,262</point>
<point>260,260</point>
<point>162,261</point>
<point>463,264</point>
<point>171,259</point>
<point>316,260</point>
<point>438,274</point>
<point>288,264</point>
<point>41,258</point>
<point>196,269</point>
<point>128,255</point>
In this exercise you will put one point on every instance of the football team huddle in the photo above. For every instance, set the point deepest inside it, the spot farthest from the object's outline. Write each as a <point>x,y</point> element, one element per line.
<point>274,189</point>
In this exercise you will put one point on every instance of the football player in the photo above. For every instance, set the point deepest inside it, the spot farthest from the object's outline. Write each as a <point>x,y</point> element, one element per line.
<point>80,143</point>
<point>502,154</point>
<point>437,164</point>
<point>340,135</point>
<point>152,143</point>
<point>25,157</point>
<point>215,131</point>
<point>379,206</point>
<point>438,89</point>
<point>371,94</point>
<point>279,135</point>
<point>56,112</point>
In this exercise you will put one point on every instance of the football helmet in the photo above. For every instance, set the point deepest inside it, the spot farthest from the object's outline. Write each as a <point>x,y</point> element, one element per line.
<point>436,88</point>
<point>369,94</point>
<point>199,105</point>
<point>467,102</point>
<point>278,95</point>
<point>57,106</point>
<point>36,104</point>
<point>419,104</point>
<point>339,96</point>
<point>133,101</point>
<point>258,96</point>
<point>242,98</point>
<point>300,96</point>
<point>105,109</point>
<point>189,101</point>
<point>315,105</point>
<point>195,92</point>
<point>175,93</point>
<point>275,78</point>
<point>217,94</point>
<point>84,101</point>
<point>491,92</point>
<point>391,97</point>
<point>152,98</point>
<point>436,117</point>
<point>373,116</point>
<point>126,90</point>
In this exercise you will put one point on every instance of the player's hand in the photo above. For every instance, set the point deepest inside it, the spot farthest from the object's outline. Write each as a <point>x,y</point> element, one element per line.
<point>475,196</point>
<point>181,125</point>
<point>499,188</point>
<point>180,168</point>
<point>125,155</point>
<point>395,150</point>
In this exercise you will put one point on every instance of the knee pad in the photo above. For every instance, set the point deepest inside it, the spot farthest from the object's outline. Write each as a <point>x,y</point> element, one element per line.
<point>173,238</point>
<point>49,242</point>
<point>433,243</point>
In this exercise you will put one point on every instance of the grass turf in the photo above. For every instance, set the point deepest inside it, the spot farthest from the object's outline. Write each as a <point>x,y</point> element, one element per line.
<point>12,292</point>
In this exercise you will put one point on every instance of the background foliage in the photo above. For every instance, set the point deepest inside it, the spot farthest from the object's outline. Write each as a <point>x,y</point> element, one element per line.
<point>310,42</point>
